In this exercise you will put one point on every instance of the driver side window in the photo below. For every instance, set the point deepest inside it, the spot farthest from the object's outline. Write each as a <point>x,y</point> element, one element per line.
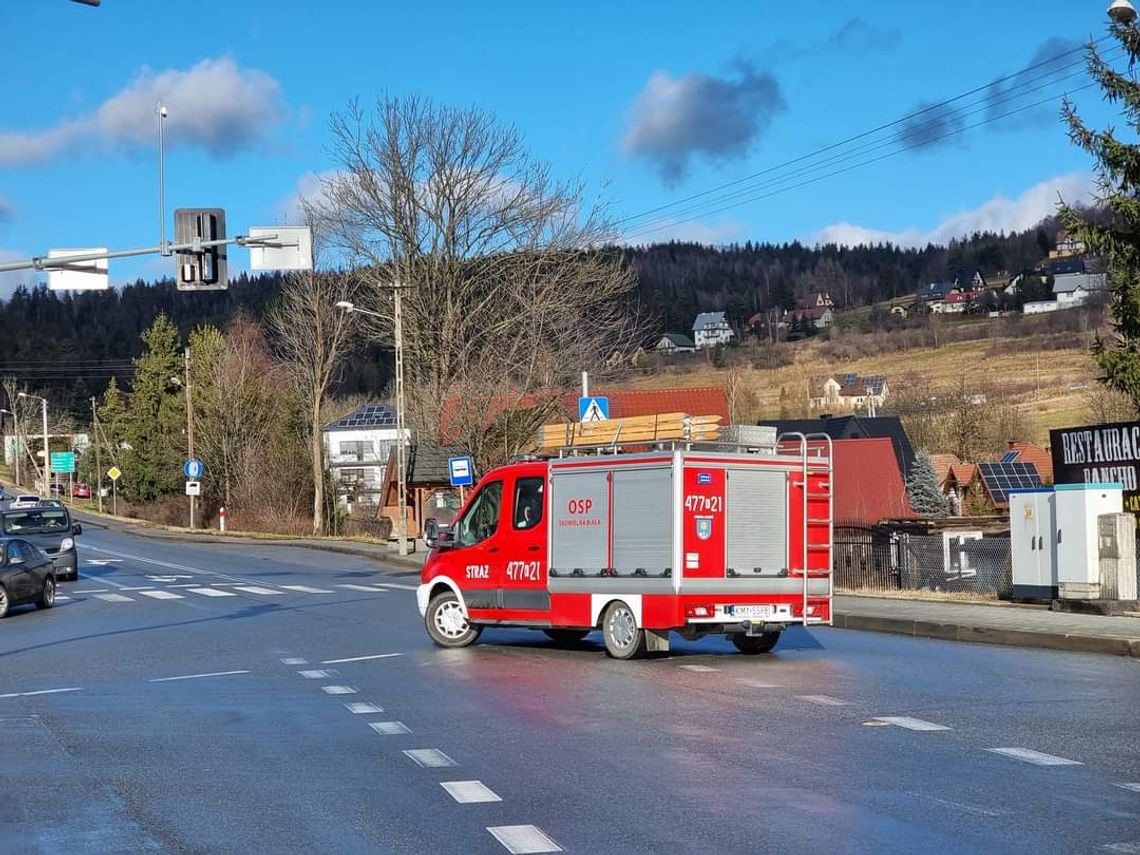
<point>482,518</point>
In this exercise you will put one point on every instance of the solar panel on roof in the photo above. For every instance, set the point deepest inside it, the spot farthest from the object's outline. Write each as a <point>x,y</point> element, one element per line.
<point>1009,457</point>
<point>999,478</point>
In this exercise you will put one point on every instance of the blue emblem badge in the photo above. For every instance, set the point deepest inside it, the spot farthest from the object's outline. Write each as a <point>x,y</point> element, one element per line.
<point>704,527</point>
<point>704,477</point>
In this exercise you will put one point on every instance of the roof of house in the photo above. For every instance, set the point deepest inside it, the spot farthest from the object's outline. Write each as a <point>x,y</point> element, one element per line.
<point>963,474</point>
<point>368,416</point>
<point>962,296</point>
<point>812,313</point>
<point>1067,283</point>
<point>855,427</point>
<point>935,291</point>
<point>852,385</point>
<point>427,463</point>
<point>679,340</point>
<point>942,464</point>
<point>627,403</point>
<point>709,320</point>
<point>869,485</point>
<point>1061,266</point>
<point>964,276</point>
<point>1028,452</point>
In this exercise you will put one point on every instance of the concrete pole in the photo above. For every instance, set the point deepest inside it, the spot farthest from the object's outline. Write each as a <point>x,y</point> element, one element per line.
<point>189,426</point>
<point>47,453</point>
<point>401,439</point>
<point>98,456</point>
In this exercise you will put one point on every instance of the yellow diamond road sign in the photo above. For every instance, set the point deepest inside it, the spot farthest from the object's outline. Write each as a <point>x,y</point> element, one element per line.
<point>114,472</point>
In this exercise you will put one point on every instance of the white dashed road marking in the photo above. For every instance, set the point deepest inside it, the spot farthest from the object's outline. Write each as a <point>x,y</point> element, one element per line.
<point>315,675</point>
<point>523,839</point>
<point>254,589</point>
<point>398,585</point>
<point>360,658</point>
<point>910,723</point>
<point>59,598</point>
<point>389,728</point>
<point>826,700</point>
<point>196,676</point>
<point>40,692</point>
<point>700,669</point>
<point>1133,787</point>
<point>362,707</point>
<point>161,595</point>
<point>1035,757</point>
<point>305,589</point>
<point>338,690</point>
<point>114,598</point>
<point>211,592</point>
<point>1131,848</point>
<point>429,758</point>
<point>295,660</point>
<point>470,792</point>
<point>370,588</point>
<point>757,684</point>
<point>90,591</point>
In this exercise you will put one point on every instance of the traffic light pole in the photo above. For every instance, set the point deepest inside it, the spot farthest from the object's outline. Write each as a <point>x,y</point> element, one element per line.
<point>70,262</point>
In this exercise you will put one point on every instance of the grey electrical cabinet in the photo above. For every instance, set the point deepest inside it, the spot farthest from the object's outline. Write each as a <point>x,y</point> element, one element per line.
<point>1032,514</point>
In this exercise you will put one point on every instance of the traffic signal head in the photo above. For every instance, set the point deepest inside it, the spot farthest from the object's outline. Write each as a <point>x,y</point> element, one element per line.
<point>200,268</point>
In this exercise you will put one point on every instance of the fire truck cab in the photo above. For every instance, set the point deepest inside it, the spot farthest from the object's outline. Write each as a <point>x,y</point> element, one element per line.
<point>688,538</point>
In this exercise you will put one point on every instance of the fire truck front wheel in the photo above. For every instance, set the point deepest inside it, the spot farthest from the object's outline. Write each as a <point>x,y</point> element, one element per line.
<point>755,643</point>
<point>624,640</point>
<point>447,624</point>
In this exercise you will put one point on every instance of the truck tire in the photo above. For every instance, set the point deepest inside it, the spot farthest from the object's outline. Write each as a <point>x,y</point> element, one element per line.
<point>566,636</point>
<point>623,638</point>
<point>751,644</point>
<point>446,623</point>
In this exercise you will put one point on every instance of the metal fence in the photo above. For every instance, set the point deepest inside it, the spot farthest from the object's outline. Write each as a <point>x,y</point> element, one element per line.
<point>878,559</point>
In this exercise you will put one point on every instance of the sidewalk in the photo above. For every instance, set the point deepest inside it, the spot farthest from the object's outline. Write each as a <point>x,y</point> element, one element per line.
<point>997,623</point>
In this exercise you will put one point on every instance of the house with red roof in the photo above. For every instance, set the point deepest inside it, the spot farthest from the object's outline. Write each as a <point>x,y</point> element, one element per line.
<point>867,482</point>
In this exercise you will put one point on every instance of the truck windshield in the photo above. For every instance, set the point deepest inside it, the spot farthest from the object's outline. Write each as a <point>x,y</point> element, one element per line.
<point>482,518</point>
<point>35,521</point>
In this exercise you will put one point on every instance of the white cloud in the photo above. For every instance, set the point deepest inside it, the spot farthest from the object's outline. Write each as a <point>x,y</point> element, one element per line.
<point>710,234</point>
<point>214,105</point>
<point>311,187</point>
<point>995,215</point>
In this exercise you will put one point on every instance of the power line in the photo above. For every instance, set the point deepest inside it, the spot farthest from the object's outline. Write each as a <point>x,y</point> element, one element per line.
<point>917,135</point>
<point>868,133</point>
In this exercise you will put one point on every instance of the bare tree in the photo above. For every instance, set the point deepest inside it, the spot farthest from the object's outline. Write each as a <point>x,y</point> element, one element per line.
<point>312,337</point>
<point>509,291</point>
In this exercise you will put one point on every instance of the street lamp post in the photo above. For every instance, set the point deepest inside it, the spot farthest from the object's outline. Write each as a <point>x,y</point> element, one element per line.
<point>47,452</point>
<point>401,431</point>
<point>1123,12</point>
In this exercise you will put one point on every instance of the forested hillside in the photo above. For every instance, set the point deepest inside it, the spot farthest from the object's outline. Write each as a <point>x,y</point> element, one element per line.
<point>71,344</point>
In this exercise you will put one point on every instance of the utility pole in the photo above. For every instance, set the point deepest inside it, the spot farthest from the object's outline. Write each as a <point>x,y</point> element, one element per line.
<point>189,426</point>
<point>47,452</point>
<point>401,441</point>
<point>98,456</point>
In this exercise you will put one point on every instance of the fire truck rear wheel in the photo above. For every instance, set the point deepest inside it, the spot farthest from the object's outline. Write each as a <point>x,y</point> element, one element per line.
<point>755,643</point>
<point>447,624</point>
<point>624,640</point>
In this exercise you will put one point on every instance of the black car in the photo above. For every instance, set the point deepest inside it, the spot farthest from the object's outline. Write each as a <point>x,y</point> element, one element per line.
<point>50,528</point>
<point>26,575</point>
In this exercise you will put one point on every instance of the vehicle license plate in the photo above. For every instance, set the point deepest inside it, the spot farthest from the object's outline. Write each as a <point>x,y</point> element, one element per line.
<point>751,611</point>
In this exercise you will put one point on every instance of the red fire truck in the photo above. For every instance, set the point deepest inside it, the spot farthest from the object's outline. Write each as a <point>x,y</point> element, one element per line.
<point>688,538</point>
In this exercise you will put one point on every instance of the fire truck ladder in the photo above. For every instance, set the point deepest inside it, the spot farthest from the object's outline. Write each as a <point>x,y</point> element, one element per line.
<point>816,452</point>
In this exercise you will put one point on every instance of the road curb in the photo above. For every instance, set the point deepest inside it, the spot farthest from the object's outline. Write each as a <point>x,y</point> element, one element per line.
<point>1115,645</point>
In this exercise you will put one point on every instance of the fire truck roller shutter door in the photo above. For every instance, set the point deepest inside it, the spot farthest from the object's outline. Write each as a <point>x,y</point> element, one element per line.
<point>579,518</point>
<point>643,521</point>
<point>757,522</point>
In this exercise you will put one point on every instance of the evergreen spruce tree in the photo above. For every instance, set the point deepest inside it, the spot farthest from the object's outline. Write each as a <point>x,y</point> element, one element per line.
<point>112,413</point>
<point>152,467</point>
<point>922,486</point>
<point>1115,237</point>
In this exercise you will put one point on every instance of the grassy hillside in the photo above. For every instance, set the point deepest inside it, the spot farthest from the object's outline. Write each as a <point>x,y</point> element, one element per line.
<point>1053,387</point>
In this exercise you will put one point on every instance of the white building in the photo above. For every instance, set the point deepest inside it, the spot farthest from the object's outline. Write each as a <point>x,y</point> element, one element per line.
<point>675,343</point>
<point>357,448</point>
<point>711,329</point>
<point>1074,289</point>
<point>1039,307</point>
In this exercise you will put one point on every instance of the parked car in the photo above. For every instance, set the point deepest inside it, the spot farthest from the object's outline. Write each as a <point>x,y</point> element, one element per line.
<point>49,528</point>
<point>26,575</point>
<point>81,491</point>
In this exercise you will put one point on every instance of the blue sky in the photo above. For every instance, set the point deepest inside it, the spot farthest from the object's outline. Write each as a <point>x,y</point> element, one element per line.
<point>653,102</point>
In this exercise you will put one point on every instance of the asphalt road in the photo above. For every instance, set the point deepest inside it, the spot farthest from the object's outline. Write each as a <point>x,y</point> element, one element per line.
<point>220,698</point>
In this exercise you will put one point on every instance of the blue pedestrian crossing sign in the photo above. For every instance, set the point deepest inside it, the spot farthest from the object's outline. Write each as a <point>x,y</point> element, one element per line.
<point>461,470</point>
<point>193,469</point>
<point>594,409</point>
